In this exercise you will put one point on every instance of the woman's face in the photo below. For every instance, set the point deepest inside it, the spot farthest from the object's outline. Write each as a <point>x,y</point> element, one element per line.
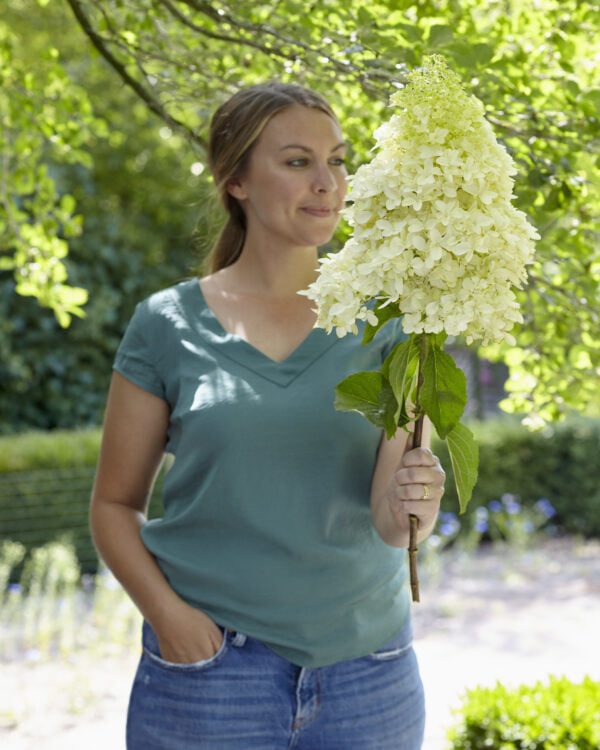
<point>295,182</point>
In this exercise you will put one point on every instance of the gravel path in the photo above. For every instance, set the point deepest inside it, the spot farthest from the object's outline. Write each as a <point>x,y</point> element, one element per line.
<point>509,617</point>
<point>493,615</point>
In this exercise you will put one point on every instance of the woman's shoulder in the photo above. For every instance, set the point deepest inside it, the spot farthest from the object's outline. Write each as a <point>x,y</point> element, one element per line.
<point>170,300</point>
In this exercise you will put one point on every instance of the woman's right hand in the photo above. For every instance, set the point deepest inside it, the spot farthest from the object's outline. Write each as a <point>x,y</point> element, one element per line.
<point>187,635</point>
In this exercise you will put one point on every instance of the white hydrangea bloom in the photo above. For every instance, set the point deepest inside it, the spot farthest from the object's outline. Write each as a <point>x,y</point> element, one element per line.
<point>435,232</point>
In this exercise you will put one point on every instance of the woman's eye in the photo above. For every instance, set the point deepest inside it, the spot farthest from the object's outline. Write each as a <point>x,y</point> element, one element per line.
<point>295,162</point>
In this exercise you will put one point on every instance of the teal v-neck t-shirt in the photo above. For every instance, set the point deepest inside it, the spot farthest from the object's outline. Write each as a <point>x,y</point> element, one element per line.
<point>267,524</point>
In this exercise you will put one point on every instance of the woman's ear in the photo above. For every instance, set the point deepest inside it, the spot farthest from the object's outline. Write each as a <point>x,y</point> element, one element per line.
<point>235,189</point>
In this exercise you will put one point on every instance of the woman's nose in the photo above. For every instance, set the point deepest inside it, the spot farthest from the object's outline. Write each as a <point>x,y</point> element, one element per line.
<point>325,180</point>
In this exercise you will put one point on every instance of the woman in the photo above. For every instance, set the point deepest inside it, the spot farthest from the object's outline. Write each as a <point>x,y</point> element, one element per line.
<point>273,590</point>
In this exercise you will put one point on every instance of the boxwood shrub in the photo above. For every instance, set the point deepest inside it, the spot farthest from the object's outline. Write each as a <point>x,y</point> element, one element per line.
<point>558,715</point>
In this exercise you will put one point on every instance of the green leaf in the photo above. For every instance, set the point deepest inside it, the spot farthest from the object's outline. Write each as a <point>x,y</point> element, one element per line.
<point>389,406</point>
<point>411,31</point>
<point>468,55</point>
<point>443,393</point>
<point>590,102</point>
<point>439,35</point>
<point>383,315</point>
<point>67,203</point>
<point>365,17</point>
<point>437,339</point>
<point>464,455</point>
<point>73,296</point>
<point>361,392</point>
<point>400,366</point>
<point>482,52</point>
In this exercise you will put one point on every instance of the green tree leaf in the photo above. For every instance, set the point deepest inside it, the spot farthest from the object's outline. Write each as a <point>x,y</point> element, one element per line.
<point>443,394</point>
<point>439,35</point>
<point>464,455</point>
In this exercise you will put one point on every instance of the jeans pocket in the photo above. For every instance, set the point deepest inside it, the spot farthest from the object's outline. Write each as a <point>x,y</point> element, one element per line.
<point>152,651</point>
<point>399,644</point>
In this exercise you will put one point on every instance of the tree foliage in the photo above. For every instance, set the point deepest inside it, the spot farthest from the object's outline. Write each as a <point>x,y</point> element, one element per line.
<point>531,62</point>
<point>139,201</point>
<point>46,119</point>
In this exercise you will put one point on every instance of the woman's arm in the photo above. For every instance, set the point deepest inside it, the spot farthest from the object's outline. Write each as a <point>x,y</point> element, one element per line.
<point>133,441</point>
<point>397,487</point>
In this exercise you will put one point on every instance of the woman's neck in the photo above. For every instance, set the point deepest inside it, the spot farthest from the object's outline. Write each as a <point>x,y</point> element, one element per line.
<point>277,276</point>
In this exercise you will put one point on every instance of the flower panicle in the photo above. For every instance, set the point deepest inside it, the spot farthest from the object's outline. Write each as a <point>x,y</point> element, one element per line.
<point>434,228</point>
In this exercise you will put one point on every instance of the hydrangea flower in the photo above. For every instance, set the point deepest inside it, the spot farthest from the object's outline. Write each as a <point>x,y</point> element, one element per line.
<point>434,229</point>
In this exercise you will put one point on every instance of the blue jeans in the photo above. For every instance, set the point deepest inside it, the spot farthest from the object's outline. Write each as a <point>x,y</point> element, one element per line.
<point>247,697</point>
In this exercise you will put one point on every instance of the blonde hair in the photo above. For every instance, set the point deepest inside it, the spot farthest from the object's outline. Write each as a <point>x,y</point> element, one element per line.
<point>234,129</point>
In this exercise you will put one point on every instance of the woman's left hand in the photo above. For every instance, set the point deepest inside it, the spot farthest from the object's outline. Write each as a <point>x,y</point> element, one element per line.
<point>416,488</point>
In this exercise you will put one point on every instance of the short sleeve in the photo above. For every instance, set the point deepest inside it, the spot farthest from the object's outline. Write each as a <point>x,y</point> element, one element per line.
<point>392,334</point>
<point>135,358</point>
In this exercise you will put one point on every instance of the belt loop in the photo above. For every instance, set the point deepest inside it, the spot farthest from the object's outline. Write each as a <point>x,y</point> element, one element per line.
<point>239,639</point>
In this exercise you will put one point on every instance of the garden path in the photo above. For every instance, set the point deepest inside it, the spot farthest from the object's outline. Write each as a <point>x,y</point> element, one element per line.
<point>508,616</point>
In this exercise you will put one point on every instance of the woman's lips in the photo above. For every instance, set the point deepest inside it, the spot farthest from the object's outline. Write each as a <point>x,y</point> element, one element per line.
<point>322,212</point>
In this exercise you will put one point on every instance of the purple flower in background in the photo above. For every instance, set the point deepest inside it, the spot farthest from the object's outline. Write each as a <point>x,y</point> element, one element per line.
<point>495,506</point>
<point>511,503</point>
<point>481,519</point>
<point>449,524</point>
<point>545,506</point>
<point>14,588</point>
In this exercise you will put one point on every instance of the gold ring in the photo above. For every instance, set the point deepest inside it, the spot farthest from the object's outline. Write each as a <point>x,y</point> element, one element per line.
<point>425,492</point>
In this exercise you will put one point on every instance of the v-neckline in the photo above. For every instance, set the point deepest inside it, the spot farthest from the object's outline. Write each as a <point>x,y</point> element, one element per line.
<point>245,341</point>
<point>282,372</point>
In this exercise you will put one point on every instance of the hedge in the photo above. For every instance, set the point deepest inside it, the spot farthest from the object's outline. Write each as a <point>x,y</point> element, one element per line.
<point>31,451</point>
<point>560,715</point>
<point>46,479</point>
<point>559,463</point>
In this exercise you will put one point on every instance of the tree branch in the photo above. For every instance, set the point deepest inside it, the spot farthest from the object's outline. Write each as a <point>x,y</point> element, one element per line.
<point>153,104</point>
<point>344,69</point>
<point>221,37</point>
<point>525,133</point>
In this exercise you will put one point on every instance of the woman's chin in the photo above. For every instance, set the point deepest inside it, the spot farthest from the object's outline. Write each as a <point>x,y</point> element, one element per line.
<point>316,238</point>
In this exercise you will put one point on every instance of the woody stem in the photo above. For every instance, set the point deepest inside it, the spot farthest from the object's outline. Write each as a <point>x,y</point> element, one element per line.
<point>416,443</point>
